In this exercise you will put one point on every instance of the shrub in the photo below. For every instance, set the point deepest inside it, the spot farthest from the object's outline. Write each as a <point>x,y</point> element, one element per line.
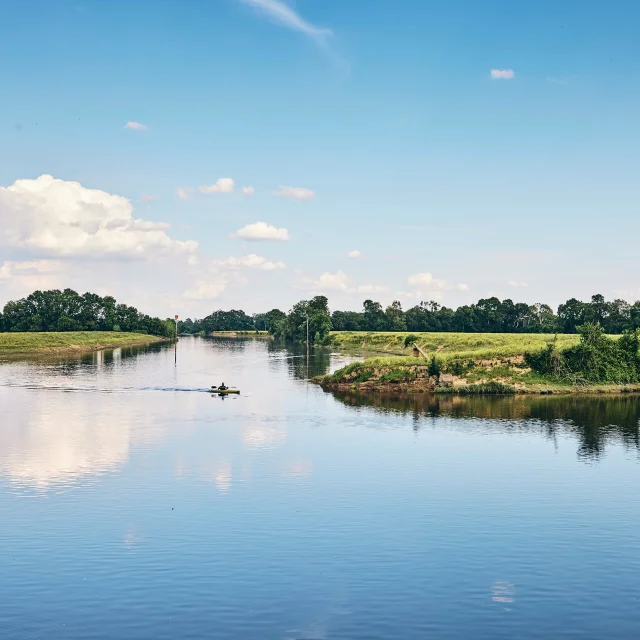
<point>397,375</point>
<point>595,359</point>
<point>410,339</point>
<point>435,367</point>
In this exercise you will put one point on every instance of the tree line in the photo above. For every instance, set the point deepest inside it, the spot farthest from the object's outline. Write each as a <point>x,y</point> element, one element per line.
<point>67,310</point>
<point>488,315</point>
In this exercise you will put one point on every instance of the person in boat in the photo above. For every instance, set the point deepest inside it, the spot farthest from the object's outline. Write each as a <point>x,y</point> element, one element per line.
<point>222,387</point>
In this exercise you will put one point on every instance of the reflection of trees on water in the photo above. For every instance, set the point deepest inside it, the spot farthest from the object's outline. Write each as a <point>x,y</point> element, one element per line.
<point>595,420</point>
<point>296,358</point>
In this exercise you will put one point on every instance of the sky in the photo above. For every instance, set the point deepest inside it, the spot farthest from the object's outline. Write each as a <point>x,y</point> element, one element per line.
<point>192,156</point>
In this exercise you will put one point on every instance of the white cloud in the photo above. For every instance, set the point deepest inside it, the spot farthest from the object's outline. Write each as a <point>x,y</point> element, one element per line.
<point>147,198</point>
<point>261,231</point>
<point>206,289</point>
<point>184,193</point>
<point>282,14</point>
<point>11,269</point>
<point>354,254</point>
<point>136,126</point>
<point>333,281</point>
<point>462,287</point>
<point>251,261</point>
<point>51,217</point>
<point>222,185</point>
<point>248,191</point>
<point>502,74</point>
<point>298,193</point>
<point>421,278</point>
<point>513,283</point>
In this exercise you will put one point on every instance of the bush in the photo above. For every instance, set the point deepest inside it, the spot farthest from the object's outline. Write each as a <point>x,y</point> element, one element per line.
<point>410,339</point>
<point>595,359</point>
<point>435,367</point>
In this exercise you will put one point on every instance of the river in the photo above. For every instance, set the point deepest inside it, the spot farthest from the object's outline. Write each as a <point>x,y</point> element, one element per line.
<point>134,504</point>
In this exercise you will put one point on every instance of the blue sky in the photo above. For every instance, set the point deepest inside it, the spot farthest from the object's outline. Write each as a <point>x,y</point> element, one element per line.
<point>451,183</point>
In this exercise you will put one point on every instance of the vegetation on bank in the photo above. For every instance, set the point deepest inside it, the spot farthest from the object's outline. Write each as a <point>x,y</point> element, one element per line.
<point>67,310</point>
<point>448,345</point>
<point>17,343</point>
<point>488,315</point>
<point>481,364</point>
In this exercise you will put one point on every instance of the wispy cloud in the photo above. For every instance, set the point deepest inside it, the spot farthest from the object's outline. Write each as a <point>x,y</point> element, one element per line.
<point>248,191</point>
<point>251,261</point>
<point>503,74</point>
<point>184,192</point>
<point>136,126</point>
<point>284,15</point>
<point>354,254</point>
<point>298,193</point>
<point>517,285</point>
<point>147,198</point>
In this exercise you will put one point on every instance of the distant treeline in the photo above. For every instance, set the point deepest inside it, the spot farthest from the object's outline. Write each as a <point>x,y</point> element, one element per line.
<point>67,310</point>
<point>489,315</point>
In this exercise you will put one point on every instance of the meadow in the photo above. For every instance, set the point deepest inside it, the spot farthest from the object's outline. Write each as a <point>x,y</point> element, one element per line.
<point>23,343</point>
<point>449,346</point>
<point>479,363</point>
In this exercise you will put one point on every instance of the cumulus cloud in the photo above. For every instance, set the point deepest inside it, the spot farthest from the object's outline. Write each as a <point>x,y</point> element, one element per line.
<point>333,281</point>
<point>502,74</point>
<point>251,261</point>
<point>261,231</point>
<point>421,279</point>
<point>462,287</point>
<point>248,191</point>
<point>51,217</point>
<point>184,192</point>
<point>284,15</point>
<point>136,126</point>
<point>513,283</point>
<point>222,185</point>
<point>297,193</point>
<point>354,254</point>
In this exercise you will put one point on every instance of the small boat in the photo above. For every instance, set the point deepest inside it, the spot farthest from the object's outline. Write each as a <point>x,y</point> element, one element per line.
<point>224,392</point>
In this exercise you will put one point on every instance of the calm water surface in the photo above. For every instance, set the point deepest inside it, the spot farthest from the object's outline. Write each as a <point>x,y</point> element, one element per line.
<point>134,505</point>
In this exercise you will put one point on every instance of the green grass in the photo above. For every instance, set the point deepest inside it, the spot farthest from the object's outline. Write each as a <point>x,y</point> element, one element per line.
<point>68,341</point>
<point>487,362</point>
<point>450,345</point>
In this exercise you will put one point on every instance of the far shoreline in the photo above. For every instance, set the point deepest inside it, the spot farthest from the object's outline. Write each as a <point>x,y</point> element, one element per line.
<point>18,344</point>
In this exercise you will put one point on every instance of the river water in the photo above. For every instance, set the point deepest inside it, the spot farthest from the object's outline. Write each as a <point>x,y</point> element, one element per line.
<point>135,505</point>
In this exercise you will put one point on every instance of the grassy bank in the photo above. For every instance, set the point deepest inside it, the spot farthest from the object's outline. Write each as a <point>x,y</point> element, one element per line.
<point>69,341</point>
<point>240,334</point>
<point>449,345</point>
<point>467,363</point>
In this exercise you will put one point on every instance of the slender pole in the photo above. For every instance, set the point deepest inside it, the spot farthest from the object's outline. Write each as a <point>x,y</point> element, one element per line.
<point>175,345</point>
<point>307,344</point>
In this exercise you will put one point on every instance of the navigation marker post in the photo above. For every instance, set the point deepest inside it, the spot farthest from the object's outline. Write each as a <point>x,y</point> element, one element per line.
<point>175,348</point>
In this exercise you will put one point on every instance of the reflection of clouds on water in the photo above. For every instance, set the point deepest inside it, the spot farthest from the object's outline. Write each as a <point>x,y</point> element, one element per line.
<point>258,437</point>
<point>56,439</point>
<point>222,476</point>
<point>299,469</point>
<point>132,540</point>
<point>503,592</point>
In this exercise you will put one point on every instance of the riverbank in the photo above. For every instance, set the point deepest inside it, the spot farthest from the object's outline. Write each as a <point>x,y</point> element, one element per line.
<point>465,364</point>
<point>240,334</point>
<point>42,343</point>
